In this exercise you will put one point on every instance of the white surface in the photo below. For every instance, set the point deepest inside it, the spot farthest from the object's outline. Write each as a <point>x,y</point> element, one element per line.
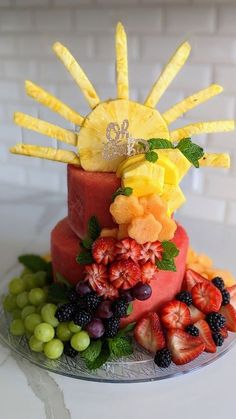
<point>28,392</point>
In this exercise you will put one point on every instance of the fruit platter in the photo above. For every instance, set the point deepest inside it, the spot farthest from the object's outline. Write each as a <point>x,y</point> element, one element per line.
<point>121,296</point>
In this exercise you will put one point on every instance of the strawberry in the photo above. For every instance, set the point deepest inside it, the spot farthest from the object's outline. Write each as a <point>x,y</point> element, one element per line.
<point>151,251</point>
<point>148,333</point>
<point>191,278</point>
<point>224,332</point>
<point>195,314</point>
<point>184,348</point>
<point>97,277</point>
<point>149,272</point>
<point>206,297</point>
<point>232,292</point>
<point>128,249</point>
<point>124,274</point>
<point>175,314</point>
<point>229,313</point>
<point>104,250</point>
<point>206,336</point>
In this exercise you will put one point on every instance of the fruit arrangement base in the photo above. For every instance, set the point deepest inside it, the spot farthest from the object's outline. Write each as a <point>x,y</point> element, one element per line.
<point>138,367</point>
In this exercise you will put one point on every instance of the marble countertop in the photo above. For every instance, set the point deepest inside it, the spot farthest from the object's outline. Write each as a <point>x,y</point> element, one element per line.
<point>27,392</point>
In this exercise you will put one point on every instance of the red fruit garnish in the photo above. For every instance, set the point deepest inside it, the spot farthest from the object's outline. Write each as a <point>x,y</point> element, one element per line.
<point>104,250</point>
<point>175,314</point>
<point>183,347</point>
<point>195,314</point>
<point>206,335</point>
<point>149,272</point>
<point>224,332</point>
<point>124,274</point>
<point>148,333</point>
<point>229,313</point>
<point>97,277</point>
<point>128,249</point>
<point>206,297</point>
<point>232,291</point>
<point>151,252</point>
<point>192,278</point>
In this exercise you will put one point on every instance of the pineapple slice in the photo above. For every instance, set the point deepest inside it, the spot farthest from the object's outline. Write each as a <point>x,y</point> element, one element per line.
<point>178,159</point>
<point>174,197</point>
<point>144,178</point>
<point>144,122</point>
<point>127,163</point>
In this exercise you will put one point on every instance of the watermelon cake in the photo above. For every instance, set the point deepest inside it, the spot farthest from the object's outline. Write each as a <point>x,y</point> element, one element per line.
<point>120,267</point>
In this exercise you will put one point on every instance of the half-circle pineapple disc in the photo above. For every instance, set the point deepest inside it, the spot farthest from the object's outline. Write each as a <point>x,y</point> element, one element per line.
<point>144,122</point>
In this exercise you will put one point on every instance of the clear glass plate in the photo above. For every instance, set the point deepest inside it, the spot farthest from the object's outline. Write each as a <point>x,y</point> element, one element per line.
<point>139,367</point>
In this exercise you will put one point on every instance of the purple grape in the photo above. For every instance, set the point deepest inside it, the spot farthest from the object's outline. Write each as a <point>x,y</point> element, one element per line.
<point>142,291</point>
<point>95,328</point>
<point>104,310</point>
<point>127,294</point>
<point>82,288</point>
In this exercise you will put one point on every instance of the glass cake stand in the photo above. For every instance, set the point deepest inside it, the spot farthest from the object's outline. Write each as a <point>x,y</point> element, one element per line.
<point>139,367</point>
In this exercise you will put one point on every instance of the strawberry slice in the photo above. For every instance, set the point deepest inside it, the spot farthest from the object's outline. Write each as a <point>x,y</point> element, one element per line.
<point>191,278</point>
<point>206,335</point>
<point>149,272</point>
<point>104,250</point>
<point>128,249</point>
<point>149,334</point>
<point>184,348</point>
<point>229,313</point>
<point>97,277</point>
<point>206,297</point>
<point>175,314</point>
<point>151,251</point>
<point>224,332</point>
<point>124,274</point>
<point>232,292</point>
<point>195,314</point>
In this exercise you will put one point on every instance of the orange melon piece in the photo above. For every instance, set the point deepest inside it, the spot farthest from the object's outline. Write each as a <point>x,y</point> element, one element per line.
<point>109,232</point>
<point>154,204</point>
<point>197,267</point>
<point>125,208</point>
<point>144,229</point>
<point>169,227</point>
<point>192,256</point>
<point>225,275</point>
<point>205,260</point>
<point>122,232</point>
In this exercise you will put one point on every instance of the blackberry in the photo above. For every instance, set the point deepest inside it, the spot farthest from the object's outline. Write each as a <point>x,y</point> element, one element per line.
<point>218,339</point>
<point>92,300</point>
<point>82,317</point>
<point>72,295</point>
<point>65,312</point>
<point>112,327</point>
<point>216,321</point>
<point>69,351</point>
<point>119,307</point>
<point>225,297</point>
<point>185,297</point>
<point>192,330</point>
<point>218,282</point>
<point>163,358</point>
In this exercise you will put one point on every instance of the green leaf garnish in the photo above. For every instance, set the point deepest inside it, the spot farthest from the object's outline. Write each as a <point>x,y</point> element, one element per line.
<point>170,250</point>
<point>87,243</point>
<point>151,156</point>
<point>122,191</point>
<point>57,293</point>
<point>93,351</point>
<point>34,262</point>
<point>129,309</point>
<point>94,228</point>
<point>191,151</point>
<point>166,265</point>
<point>101,359</point>
<point>62,280</point>
<point>155,143</point>
<point>126,329</point>
<point>85,257</point>
<point>120,346</point>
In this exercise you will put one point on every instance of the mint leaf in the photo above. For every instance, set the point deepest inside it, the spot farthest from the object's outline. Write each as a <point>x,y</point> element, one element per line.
<point>102,358</point>
<point>34,262</point>
<point>122,191</point>
<point>166,265</point>
<point>120,346</point>
<point>87,243</point>
<point>62,280</point>
<point>126,329</point>
<point>191,151</point>
<point>155,143</point>
<point>151,156</point>
<point>57,293</point>
<point>93,351</point>
<point>170,250</point>
<point>94,229</point>
<point>84,258</point>
<point>129,309</point>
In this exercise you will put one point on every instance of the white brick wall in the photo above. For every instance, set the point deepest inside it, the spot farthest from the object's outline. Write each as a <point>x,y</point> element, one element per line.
<point>155,28</point>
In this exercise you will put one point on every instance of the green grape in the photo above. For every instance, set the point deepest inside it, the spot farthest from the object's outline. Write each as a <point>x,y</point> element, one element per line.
<point>27,310</point>
<point>16,286</point>
<point>22,299</point>
<point>30,281</point>
<point>9,303</point>
<point>16,314</point>
<point>25,271</point>
<point>44,332</point>
<point>39,308</point>
<point>74,328</point>
<point>53,349</point>
<point>37,296</point>
<point>17,327</point>
<point>31,321</point>
<point>35,344</point>
<point>40,278</point>
<point>63,332</point>
<point>80,341</point>
<point>48,314</point>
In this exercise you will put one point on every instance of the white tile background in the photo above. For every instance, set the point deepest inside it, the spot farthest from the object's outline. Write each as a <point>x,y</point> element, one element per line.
<point>155,28</point>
